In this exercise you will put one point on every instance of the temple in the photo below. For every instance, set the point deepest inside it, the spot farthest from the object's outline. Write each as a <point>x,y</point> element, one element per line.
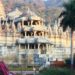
<point>26,39</point>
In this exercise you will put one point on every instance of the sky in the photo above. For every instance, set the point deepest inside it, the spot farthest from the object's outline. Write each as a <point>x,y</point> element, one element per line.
<point>45,0</point>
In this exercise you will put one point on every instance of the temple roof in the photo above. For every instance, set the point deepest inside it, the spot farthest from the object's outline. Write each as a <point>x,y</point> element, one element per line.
<point>14,14</point>
<point>28,14</point>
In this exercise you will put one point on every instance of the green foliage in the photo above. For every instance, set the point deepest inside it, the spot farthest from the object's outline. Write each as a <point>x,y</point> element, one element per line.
<point>56,71</point>
<point>68,15</point>
<point>20,68</point>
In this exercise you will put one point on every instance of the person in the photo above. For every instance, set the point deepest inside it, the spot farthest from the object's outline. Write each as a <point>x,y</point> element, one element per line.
<point>1,73</point>
<point>4,70</point>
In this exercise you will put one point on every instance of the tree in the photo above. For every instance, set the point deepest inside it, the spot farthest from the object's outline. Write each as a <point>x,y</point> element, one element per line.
<point>68,20</point>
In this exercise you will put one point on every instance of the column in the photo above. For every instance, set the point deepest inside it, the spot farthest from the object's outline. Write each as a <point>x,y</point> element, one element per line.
<point>19,59</point>
<point>31,22</point>
<point>39,49</point>
<point>34,48</point>
<point>46,34</point>
<point>42,34</point>
<point>22,23</point>
<point>28,46</point>
<point>42,22</point>
<point>34,33</point>
<point>47,49</point>
<point>28,23</point>
<point>39,22</point>
<point>25,46</point>
<point>25,33</point>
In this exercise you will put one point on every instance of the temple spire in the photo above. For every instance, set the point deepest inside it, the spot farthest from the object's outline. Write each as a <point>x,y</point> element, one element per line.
<point>2,10</point>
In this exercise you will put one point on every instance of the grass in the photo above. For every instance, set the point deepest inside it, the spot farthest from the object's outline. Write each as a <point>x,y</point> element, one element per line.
<point>57,71</point>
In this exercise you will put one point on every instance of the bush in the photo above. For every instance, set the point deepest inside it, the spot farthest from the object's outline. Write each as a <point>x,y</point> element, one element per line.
<point>56,71</point>
<point>19,68</point>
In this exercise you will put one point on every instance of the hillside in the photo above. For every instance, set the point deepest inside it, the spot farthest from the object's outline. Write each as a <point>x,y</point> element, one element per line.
<point>47,9</point>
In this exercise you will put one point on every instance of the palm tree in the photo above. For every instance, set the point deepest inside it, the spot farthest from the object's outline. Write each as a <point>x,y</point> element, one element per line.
<point>68,20</point>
